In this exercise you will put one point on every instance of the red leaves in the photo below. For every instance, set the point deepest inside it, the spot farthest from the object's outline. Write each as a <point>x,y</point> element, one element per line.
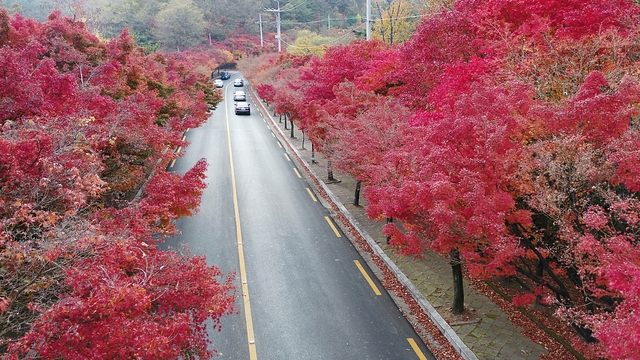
<point>83,126</point>
<point>132,301</point>
<point>266,92</point>
<point>596,112</point>
<point>505,130</point>
<point>524,299</point>
<point>453,193</point>
<point>170,196</point>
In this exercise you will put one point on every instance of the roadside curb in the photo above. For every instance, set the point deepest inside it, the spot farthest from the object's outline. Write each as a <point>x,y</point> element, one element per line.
<point>424,304</point>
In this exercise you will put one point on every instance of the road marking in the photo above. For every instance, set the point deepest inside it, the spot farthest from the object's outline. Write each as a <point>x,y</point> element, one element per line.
<point>187,130</point>
<point>243,271</point>
<point>279,144</point>
<point>297,173</point>
<point>310,193</point>
<point>287,156</point>
<point>274,135</point>
<point>184,138</point>
<point>415,348</point>
<point>178,151</point>
<point>268,127</point>
<point>335,230</point>
<point>366,276</point>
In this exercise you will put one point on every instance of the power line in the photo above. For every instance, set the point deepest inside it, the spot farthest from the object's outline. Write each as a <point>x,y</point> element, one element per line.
<point>334,40</point>
<point>293,7</point>
<point>407,17</point>
<point>317,21</point>
<point>285,22</point>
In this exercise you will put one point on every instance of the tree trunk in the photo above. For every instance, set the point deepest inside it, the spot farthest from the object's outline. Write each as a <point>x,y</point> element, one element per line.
<point>329,171</point>
<point>539,273</point>
<point>458,289</point>
<point>292,134</point>
<point>356,198</point>
<point>285,122</point>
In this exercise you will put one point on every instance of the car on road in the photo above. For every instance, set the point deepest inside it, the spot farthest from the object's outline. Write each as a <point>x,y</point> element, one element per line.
<point>243,108</point>
<point>225,75</point>
<point>238,82</point>
<point>218,83</point>
<point>239,96</point>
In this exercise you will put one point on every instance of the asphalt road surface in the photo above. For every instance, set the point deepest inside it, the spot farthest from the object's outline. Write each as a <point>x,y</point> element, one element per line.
<point>304,292</point>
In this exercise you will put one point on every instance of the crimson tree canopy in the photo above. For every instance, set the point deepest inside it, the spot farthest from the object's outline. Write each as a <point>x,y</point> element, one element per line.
<point>515,143</point>
<point>84,126</point>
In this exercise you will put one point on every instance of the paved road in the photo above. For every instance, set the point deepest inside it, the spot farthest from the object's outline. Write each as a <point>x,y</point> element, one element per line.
<point>303,290</point>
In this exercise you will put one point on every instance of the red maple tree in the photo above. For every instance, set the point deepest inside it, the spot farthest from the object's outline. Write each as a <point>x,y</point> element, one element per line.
<point>84,127</point>
<point>515,146</point>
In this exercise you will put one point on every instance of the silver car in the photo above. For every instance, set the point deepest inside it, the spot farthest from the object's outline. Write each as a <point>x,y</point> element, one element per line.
<point>243,108</point>
<point>239,96</point>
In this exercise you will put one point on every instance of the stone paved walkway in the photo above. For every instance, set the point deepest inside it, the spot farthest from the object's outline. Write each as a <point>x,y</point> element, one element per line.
<point>491,336</point>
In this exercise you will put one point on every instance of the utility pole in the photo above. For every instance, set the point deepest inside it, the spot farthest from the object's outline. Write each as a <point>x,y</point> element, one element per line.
<point>278,25</point>
<point>260,22</point>
<point>277,11</point>
<point>368,25</point>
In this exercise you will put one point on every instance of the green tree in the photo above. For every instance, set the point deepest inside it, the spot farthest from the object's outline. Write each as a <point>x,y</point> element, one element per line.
<point>432,6</point>
<point>136,15</point>
<point>35,8</point>
<point>309,42</point>
<point>397,21</point>
<point>180,26</point>
<point>223,20</point>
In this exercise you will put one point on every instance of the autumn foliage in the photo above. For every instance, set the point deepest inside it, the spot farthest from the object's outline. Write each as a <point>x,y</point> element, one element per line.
<point>505,131</point>
<point>86,130</point>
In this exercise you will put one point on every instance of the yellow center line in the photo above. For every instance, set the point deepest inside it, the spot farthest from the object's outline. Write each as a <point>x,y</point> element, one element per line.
<point>311,194</point>
<point>179,149</point>
<point>279,144</point>
<point>287,156</point>
<point>366,276</point>
<point>173,163</point>
<point>184,138</point>
<point>274,135</point>
<point>415,348</point>
<point>243,272</point>
<point>187,130</point>
<point>297,173</point>
<point>335,230</point>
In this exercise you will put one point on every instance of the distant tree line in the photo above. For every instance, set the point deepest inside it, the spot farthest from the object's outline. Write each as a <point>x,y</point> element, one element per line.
<point>175,25</point>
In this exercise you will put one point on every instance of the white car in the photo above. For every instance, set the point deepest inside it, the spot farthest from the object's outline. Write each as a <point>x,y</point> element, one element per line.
<point>243,108</point>
<point>238,82</point>
<point>219,83</point>
<point>239,96</point>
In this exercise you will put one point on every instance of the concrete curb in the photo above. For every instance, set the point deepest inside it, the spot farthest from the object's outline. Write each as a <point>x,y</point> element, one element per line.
<point>426,306</point>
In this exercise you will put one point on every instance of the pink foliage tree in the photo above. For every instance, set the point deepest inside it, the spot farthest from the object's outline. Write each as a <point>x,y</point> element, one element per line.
<point>83,126</point>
